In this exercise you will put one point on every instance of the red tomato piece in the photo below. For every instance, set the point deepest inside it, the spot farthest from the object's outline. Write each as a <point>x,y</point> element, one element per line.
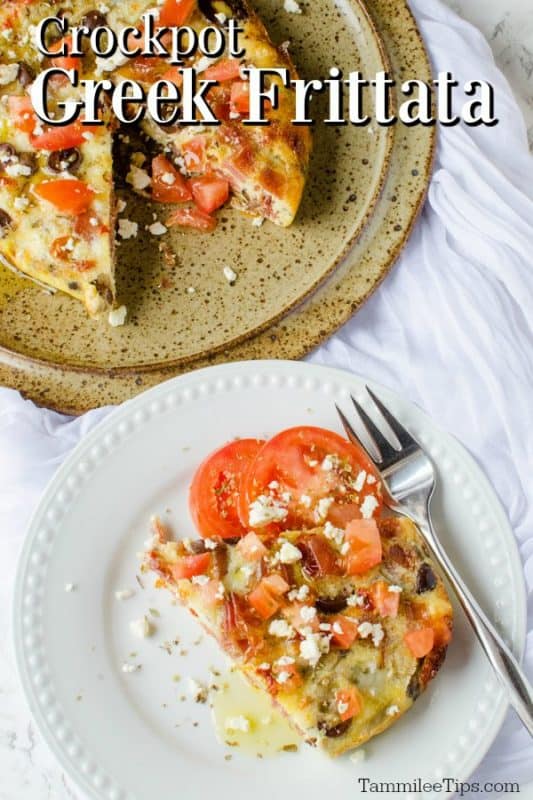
<point>344,631</point>
<point>349,703</point>
<point>192,218</point>
<point>240,97</point>
<point>318,556</point>
<point>173,75</point>
<point>215,488</point>
<point>71,197</point>
<point>209,192</point>
<point>67,61</point>
<point>362,536</point>
<point>275,583</point>
<point>251,547</point>
<point>63,137</point>
<point>299,621</point>
<point>21,112</point>
<point>385,601</point>
<point>168,185</point>
<point>175,12</point>
<point>194,153</point>
<point>211,595</point>
<point>189,566</point>
<point>308,465</point>
<point>263,601</point>
<point>227,69</point>
<point>420,642</point>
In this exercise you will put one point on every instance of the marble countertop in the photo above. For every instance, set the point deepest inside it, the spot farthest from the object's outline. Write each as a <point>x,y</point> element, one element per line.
<point>27,769</point>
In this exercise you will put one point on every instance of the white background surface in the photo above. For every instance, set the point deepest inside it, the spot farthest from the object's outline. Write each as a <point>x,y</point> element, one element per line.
<point>451,328</point>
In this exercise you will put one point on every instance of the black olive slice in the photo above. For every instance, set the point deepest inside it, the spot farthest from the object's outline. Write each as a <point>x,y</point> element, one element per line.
<point>425,580</point>
<point>332,605</point>
<point>5,221</point>
<point>94,19</point>
<point>336,730</point>
<point>65,160</point>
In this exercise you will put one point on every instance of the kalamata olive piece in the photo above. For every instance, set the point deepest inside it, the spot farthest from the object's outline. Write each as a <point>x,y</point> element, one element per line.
<point>413,687</point>
<point>197,546</point>
<point>8,154</point>
<point>5,221</point>
<point>220,562</point>
<point>232,540</point>
<point>236,8</point>
<point>94,19</point>
<point>425,580</point>
<point>65,160</point>
<point>25,75</point>
<point>335,730</point>
<point>28,160</point>
<point>398,554</point>
<point>331,605</point>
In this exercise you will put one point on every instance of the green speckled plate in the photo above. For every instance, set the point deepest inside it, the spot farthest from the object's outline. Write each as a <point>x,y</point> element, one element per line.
<point>294,286</point>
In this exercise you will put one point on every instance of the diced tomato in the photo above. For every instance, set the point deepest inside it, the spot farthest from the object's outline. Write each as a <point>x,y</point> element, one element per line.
<point>67,61</point>
<point>240,97</point>
<point>318,556</point>
<point>310,463</point>
<point>362,536</point>
<point>215,488</point>
<point>251,547</point>
<point>275,583</point>
<point>175,12</point>
<point>211,594</point>
<point>192,218</point>
<point>349,703</point>
<point>59,249</point>
<point>420,642</point>
<point>189,566</point>
<point>263,601</point>
<point>344,631</point>
<point>225,70</point>
<point>209,192</point>
<point>385,601</point>
<point>290,676</point>
<point>168,185</point>
<point>147,68</point>
<point>63,137</point>
<point>293,613</point>
<point>193,153</point>
<point>21,112</point>
<point>68,196</point>
<point>88,225</point>
<point>173,75</point>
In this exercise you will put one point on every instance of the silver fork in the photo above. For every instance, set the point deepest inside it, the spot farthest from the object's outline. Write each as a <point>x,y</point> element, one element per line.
<point>408,481</point>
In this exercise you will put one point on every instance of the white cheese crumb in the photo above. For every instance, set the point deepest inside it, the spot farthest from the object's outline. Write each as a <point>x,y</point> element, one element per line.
<point>359,482</point>
<point>299,594</point>
<point>355,600</point>
<point>138,178</point>
<point>69,587</point>
<point>20,203</point>
<point>191,290</point>
<point>264,666</point>
<point>370,479</point>
<point>157,229</point>
<point>220,18</point>
<point>273,485</point>
<point>313,646</point>
<point>284,661</point>
<point>264,510</point>
<point>292,7</point>
<point>337,628</point>
<point>392,710</point>
<point>111,63</point>
<point>283,677</point>
<point>229,274</point>
<point>130,667</point>
<point>329,462</point>
<point>117,316</point>
<point>8,73</point>
<point>342,707</point>
<point>280,628</point>
<point>258,221</point>
<point>323,507</point>
<point>358,756</point>
<point>366,629</point>
<point>121,205</point>
<point>325,626</point>
<point>124,594</point>
<point>333,533</point>
<point>305,501</point>
<point>392,587</point>
<point>200,580</point>
<point>168,178</point>
<point>289,554</point>
<point>240,723</point>
<point>368,506</point>
<point>16,170</point>
<point>210,544</point>
<point>197,691</point>
<point>203,63</point>
<point>127,229</point>
<point>141,627</point>
<point>307,613</point>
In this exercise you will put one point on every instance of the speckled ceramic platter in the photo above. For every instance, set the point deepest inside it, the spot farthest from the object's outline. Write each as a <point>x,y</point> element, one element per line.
<point>294,286</point>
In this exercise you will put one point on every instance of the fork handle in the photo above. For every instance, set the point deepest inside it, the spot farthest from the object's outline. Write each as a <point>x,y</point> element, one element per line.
<point>505,665</point>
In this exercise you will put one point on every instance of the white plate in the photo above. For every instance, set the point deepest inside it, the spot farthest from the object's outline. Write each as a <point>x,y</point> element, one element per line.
<point>129,735</point>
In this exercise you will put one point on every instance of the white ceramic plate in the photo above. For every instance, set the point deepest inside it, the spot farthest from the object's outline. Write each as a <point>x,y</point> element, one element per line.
<point>129,736</point>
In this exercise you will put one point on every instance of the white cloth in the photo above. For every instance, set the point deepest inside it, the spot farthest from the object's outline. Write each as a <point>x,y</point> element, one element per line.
<point>451,328</point>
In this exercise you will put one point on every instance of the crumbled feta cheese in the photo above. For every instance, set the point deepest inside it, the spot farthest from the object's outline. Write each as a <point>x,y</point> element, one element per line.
<point>220,592</point>
<point>289,554</point>
<point>359,482</point>
<point>117,316</point>
<point>283,677</point>
<point>292,7</point>
<point>313,646</point>
<point>366,629</point>
<point>240,723</point>
<point>121,205</point>
<point>358,756</point>
<point>210,544</point>
<point>355,600</point>
<point>141,627</point>
<point>8,73</point>
<point>370,479</point>
<point>266,509</point>
<point>197,691</point>
<point>342,707</point>
<point>200,580</point>
<point>127,229</point>
<point>305,501</point>
<point>273,485</point>
<point>229,274</point>
<point>157,229</point>
<point>264,666</point>
<point>345,548</point>
<point>368,506</point>
<point>284,661</point>
<point>130,667</point>
<point>124,594</point>
<point>191,290</point>
<point>313,463</point>
<point>337,628</point>
<point>329,463</point>
<point>307,613</point>
<point>138,178</point>
<point>17,170</point>
<point>323,507</point>
<point>220,18</point>
<point>203,63</point>
<point>280,628</point>
<point>392,587</point>
<point>168,178</point>
<point>392,710</point>
<point>324,626</point>
<point>299,594</point>
<point>69,587</point>
<point>258,221</point>
<point>333,533</point>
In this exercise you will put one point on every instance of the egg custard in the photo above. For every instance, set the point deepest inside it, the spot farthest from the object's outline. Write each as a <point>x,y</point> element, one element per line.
<point>343,628</point>
<point>57,212</point>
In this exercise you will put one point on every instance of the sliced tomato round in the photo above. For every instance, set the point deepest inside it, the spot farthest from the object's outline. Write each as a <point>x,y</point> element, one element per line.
<point>314,474</point>
<point>215,489</point>
<point>168,185</point>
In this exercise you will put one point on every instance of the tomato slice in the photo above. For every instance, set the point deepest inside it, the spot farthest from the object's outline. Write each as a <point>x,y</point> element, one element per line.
<point>168,185</point>
<point>209,192</point>
<point>420,642</point>
<point>63,137</point>
<point>318,556</point>
<point>194,153</point>
<point>365,551</point>
<point>315,474</point>
<point>67,61</point>
<point>175,12</point>
<point>263,600</point>
<point>189,566</point>
<point>225,70</point>
<point>349,703</point>
<point>344,631</point>
<point>275,583</point>
<point>240,97</point>
<point>192,218</point>
<point>215,488</point>
<point>68,196</point>
<point>300,621</point>
<point>21,112</point>
<point>385,601</point>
